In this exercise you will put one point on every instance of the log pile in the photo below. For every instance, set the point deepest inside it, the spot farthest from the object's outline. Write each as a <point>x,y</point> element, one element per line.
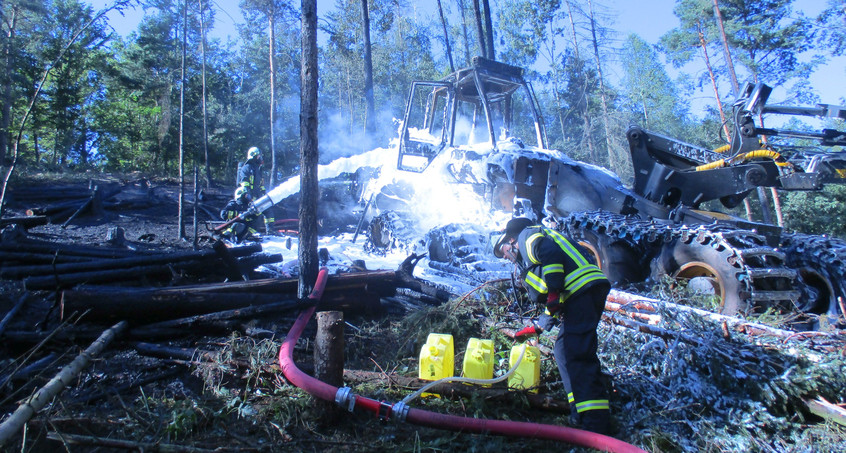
<point>55,266</point>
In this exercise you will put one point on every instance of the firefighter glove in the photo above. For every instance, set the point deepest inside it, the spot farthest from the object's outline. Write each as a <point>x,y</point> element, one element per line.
<point>547,322</point>
<point>553,302</point>
<point>525,332</point>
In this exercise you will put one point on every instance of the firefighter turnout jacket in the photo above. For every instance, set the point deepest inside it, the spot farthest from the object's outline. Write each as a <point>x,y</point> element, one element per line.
<point>251,176</point>
<point>554,264</point>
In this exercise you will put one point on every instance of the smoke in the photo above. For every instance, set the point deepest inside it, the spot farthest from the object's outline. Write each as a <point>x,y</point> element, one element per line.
<point>338,136</point>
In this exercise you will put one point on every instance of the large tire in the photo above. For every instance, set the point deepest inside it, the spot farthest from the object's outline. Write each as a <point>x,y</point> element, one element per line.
<point>821,264</point>
<point>618,259</point>
<point>690,260</point>
<point>747,275</point>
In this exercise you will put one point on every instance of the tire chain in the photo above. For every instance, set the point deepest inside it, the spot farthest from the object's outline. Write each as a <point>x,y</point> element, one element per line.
<point>762,271</point>
<point>823,254</point>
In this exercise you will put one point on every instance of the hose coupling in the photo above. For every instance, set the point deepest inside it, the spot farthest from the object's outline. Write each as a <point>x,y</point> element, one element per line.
<point>344,397</point>
<point>400,411</point>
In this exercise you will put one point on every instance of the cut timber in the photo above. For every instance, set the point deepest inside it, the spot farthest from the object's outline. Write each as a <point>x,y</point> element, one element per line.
<point>16,272</point>
<point>143,306</point>
<point>822,408</point>
<point>44,395</point>
<point>353,292</point>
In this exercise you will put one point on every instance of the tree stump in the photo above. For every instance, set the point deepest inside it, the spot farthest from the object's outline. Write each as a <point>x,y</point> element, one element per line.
<point>329,358</point>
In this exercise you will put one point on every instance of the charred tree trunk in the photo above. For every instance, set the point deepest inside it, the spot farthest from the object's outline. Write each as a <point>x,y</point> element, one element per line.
<point>308,151</point>
<point>181,215</point>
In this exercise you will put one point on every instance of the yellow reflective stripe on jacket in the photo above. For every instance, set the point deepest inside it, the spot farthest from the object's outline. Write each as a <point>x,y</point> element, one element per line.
<point>579,277</point>
<point>591,405</point>
<point>568,248</point>
<point>570,398</point>
<point>536,282</point>
<point>529,252</point>
<point>553,268</point>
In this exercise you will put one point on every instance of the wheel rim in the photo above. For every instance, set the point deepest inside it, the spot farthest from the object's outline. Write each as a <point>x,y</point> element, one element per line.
<point>695,269</point>
<point>590,248</point>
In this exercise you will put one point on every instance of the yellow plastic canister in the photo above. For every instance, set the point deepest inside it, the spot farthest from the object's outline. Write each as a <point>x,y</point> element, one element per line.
<point>527,374</point>
<point>478,359</point>
<point>437,357</point>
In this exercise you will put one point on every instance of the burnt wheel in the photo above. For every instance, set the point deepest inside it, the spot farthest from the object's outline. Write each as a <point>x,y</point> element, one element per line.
<point>695,260</point>
<point>617,258</point>
<point>821,264</point>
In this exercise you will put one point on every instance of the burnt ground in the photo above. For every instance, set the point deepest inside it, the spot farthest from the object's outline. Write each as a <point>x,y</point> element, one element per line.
<point>218,387</point>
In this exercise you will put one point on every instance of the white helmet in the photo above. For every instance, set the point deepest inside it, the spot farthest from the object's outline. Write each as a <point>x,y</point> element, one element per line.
<point>242,194</point>
<point>254,153</point>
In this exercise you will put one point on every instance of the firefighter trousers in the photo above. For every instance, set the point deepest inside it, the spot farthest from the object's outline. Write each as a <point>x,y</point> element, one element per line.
<point>575,355</point>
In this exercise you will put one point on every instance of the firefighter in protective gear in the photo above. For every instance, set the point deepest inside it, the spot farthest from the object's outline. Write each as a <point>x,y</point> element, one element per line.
<point>251,177</point>
<point>573,291</point>
<point>245,228</point>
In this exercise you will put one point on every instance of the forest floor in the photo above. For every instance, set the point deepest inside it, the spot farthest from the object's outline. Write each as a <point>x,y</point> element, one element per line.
<point>697,389</point>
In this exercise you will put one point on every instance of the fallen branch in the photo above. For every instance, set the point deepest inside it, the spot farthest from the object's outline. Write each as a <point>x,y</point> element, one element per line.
<point>80,439</point>
<point>31,406</point>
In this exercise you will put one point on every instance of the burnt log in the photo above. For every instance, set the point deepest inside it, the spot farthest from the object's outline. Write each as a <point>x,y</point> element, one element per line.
<point>29,221</point>
<point>68,249</point>
<point>353,292</point>
<point>107,264</point>
<point>246,312</point>
<point>142,305</point>
<point>28,259</point>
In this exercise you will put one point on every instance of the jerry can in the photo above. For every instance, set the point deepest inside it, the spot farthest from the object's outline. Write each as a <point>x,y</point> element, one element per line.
<point>437,357</point>
<point>478,359</point>
<point>527,374</point>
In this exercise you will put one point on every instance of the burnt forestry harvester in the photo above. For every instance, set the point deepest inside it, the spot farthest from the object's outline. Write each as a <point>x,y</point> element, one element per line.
<point>479,133</point>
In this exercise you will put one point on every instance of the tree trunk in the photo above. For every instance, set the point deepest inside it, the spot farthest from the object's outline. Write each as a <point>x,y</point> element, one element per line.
<point>205,115</point>
<point>612,160</point>
<point>713,76</point>
<point>329,356</point>
<point>464,31</point>
<point>6,115</point>
<point>489,44</point>
<point>729,62</point>
<point>446,37</point>
<point>370,103</point>
<point>573,29</point>
<point>181,215</point>
<point>480,31</point>
<point>309,261</point>
<point>272,23</point>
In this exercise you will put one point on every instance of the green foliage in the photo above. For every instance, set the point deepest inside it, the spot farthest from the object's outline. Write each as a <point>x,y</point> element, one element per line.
<point>816,212</point>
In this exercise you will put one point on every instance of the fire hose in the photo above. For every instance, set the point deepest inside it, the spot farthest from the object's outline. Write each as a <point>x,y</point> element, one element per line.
<point>401,412</point>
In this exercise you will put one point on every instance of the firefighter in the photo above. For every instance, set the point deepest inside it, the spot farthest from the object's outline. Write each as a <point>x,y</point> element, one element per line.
<point>251,177</point>
<point>556,274</point>
<point>246,227</point>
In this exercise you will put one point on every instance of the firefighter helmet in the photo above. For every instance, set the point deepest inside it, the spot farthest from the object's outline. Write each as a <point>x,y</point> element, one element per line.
<point>242,194</point>
<point>254,153</point>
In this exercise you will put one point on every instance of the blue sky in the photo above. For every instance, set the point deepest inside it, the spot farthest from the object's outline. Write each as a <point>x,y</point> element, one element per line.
<point>647,18</point>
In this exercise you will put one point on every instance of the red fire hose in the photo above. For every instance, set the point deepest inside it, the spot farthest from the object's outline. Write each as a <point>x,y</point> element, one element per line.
<point>401,412</point>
